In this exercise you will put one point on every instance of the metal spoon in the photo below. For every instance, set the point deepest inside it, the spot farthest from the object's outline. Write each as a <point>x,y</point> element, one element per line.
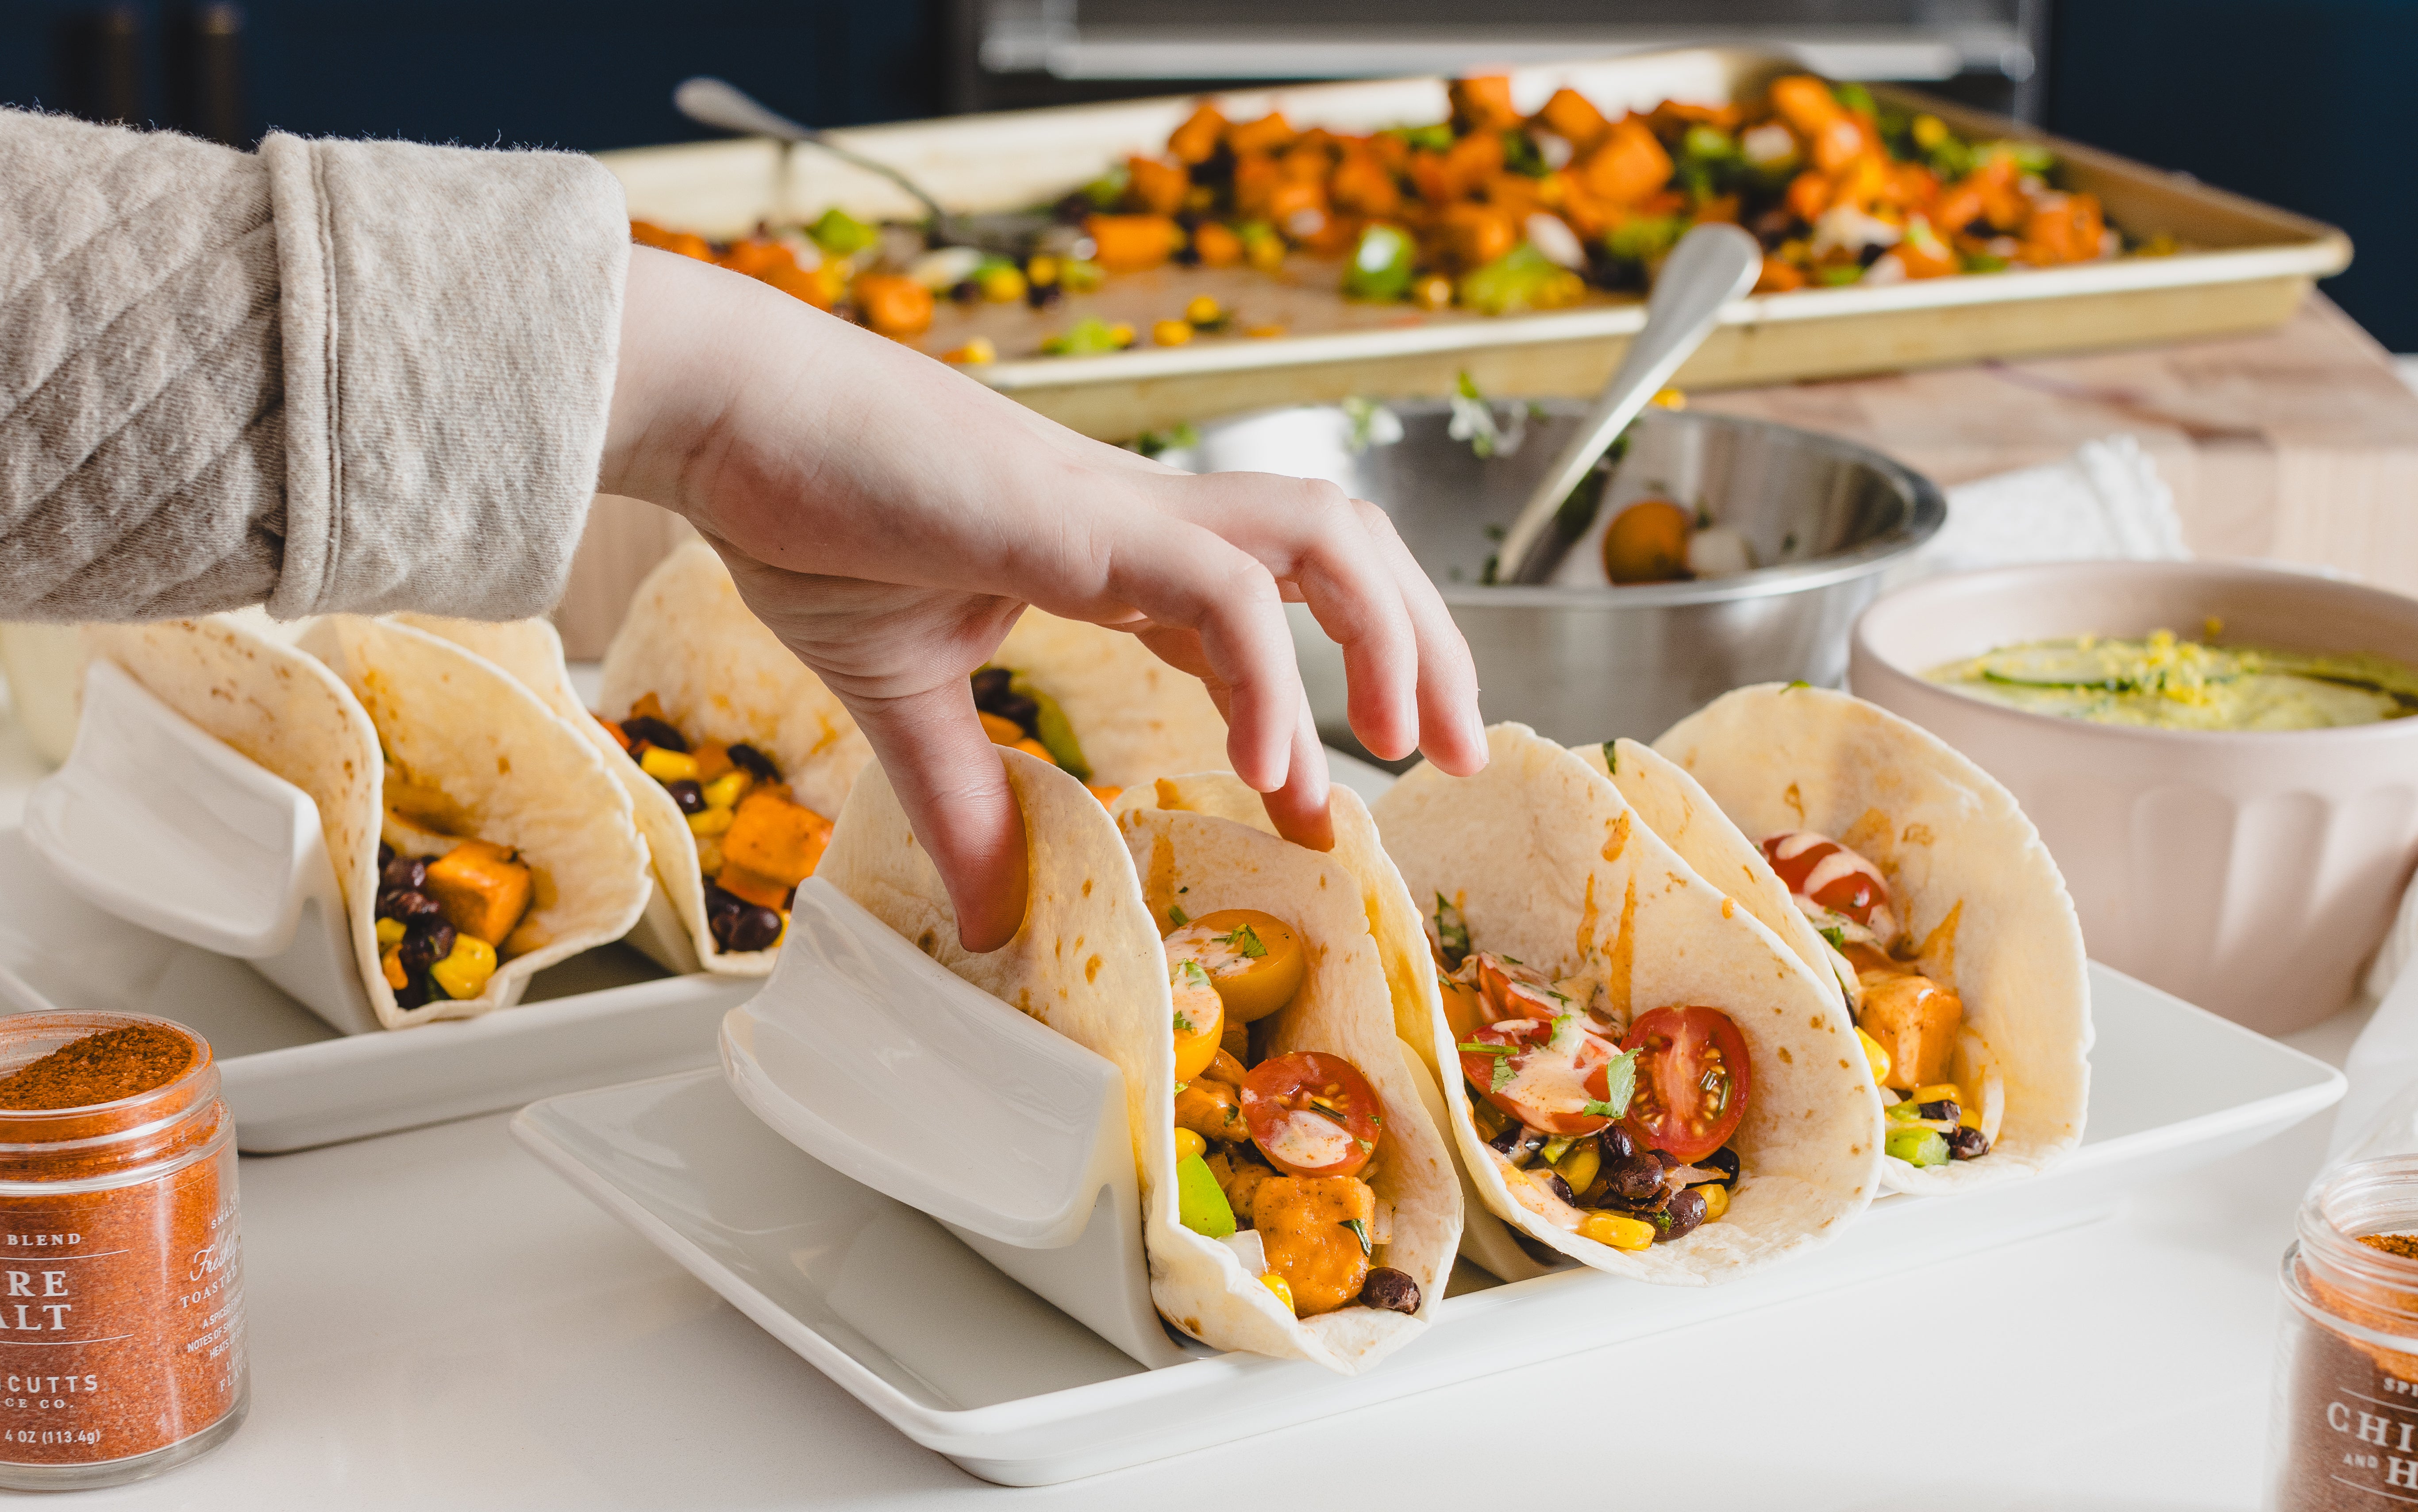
<point>718,103</point>
<point>1711,266</point>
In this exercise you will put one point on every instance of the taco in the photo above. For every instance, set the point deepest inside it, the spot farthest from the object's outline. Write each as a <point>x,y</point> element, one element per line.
<point>1950,928</point>
<point>1639,1075</point>
<point>1297,1199</point>
<point>476,839</point>
<point>755,754</point>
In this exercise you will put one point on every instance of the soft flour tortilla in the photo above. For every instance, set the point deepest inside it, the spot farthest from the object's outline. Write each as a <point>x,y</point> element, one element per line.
<point>1685,817</point>
<point>1549,865</point>
<point>691,641</point>
<point>1087,962</point>
<point>1967,869</point>
<point>1136,717</point>
<point>330,713</point>
<point>674,919</point>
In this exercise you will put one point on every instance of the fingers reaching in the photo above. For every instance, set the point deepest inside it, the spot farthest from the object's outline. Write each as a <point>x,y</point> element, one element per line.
<point>952,783</point>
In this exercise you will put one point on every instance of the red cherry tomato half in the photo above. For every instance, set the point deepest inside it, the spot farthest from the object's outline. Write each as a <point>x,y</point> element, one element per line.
<point>1854,894</point>
<point>1692,1081</point>
<point>1313,1114</point>
<point>1514,991</point>
<point>1549,1090</point>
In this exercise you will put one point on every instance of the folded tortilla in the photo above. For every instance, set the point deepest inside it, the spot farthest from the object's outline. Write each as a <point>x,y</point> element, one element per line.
<point>1967,870</point>
<point>1087,962</point>
<point>1136,717</point>
<point>358,702</point>
<point>1549,866</point>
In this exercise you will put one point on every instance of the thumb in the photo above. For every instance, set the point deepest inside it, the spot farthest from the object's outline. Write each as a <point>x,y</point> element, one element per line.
<point>952,785</point>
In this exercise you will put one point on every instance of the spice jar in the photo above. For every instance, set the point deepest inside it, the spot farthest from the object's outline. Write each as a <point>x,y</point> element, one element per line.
<point>121,1272</point>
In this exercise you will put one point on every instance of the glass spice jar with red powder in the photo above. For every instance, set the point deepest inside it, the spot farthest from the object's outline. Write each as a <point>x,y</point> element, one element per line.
<point>121,1269</point>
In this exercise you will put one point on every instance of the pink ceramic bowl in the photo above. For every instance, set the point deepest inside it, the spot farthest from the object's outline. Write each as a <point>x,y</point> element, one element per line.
<point>2251,873</point>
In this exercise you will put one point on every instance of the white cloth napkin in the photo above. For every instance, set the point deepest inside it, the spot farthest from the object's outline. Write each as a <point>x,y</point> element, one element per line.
<point>2105,501</point>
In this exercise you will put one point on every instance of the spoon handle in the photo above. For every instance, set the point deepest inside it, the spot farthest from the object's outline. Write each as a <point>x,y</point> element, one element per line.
<point>717,103</point>
<point>1711,266</point>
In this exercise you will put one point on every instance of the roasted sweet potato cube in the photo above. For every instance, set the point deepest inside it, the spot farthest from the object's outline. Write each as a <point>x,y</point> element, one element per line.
<point>1915,1020</point>
<point>1211,1109</point>
<point>1301,1220</point>
<point>1628,166</point>
<point>482,887</point>
<point>1575,117</point>
<point>1484,103</point>
<point>776,836</point>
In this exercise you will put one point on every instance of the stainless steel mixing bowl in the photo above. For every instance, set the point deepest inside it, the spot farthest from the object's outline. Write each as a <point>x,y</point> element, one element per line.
<point>1823,516</point>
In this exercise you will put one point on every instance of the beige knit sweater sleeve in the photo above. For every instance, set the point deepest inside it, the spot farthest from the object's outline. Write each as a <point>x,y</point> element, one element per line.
<point>330,375</point>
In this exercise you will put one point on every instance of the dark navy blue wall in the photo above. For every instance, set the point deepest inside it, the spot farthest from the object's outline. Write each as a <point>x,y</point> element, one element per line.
<point>2304,103</point>
<point>586,74</point>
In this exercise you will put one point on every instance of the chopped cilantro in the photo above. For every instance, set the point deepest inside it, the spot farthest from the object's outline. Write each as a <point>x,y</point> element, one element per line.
<point>1836,936</point>
<point>1610,757</point>
<point>1452,934</point>
<point>1246,941</point>
<point>1474,1048</point>
<point>1619,1084</point>
<point>1178,917</point>
<point>1801,682</point>
<point>1184,1025</point>
<point>1504,1074</point>
<point>1360,1232</point>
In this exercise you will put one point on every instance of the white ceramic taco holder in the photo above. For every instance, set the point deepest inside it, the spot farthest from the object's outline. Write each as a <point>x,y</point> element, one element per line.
<point>160,823</point>
<point>884,1066</point>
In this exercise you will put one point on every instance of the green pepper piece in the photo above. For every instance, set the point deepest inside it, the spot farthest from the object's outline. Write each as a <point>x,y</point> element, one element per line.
<point>841,234</point>
<point>1201,1204</point>
<point>1051,728</point>
<point>1520,279</point>
<point>1918,1148</point>
<point>1381,265</point>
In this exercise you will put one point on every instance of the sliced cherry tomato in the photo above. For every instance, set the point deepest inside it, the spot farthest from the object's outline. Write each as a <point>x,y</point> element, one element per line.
<point>1544,1088</point>
<point>1254,959</point>
<point>1313,1114</point>
<point>1464,1009</point>
<point>1692,1081</point>
<point>1516,991</point>
<point>1856,892</point>
<point>1200,1019</point>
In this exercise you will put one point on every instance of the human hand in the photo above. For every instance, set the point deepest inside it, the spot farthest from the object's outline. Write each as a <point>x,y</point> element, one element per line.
<point>889,518</point>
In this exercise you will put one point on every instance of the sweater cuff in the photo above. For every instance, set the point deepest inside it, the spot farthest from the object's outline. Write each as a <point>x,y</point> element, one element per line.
<point>449,320</point>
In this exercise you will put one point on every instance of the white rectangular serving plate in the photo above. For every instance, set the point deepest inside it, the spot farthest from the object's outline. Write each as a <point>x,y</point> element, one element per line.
<point>967,1363</point>
<point>291,1081</point>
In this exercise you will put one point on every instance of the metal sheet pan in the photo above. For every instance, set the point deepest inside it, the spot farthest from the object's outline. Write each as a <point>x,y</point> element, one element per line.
<point>2247,268</point>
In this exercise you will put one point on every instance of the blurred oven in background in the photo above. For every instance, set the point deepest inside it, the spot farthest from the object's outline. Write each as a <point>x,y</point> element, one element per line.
<point>1014,52</point>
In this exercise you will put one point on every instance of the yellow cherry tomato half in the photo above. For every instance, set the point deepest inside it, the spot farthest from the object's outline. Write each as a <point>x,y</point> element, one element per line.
<point>1200,1019</point>
<point>1254,959</point>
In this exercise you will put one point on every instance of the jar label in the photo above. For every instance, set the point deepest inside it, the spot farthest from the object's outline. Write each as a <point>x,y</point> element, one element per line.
<point>120,1333</point>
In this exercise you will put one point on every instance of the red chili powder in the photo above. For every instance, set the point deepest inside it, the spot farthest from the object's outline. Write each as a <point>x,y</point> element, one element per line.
<point>100,1068</point>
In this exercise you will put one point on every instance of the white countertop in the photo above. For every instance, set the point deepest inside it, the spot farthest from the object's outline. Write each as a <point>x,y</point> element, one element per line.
<point>436,1320</point>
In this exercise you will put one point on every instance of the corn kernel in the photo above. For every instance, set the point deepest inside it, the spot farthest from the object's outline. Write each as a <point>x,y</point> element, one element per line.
<point>1878,1057</point>
<point>390,933</point>
<point>727,789</point>
<point>1042,270</point>
<point>1434,292</point>
<point>1266,254</point>
<point>1669,399</point>
<point>710,821</point>
<point>1204,311</point>
<point>974,354</point>
<point>390,964</point>
<point>1122,334</point>
<point>1716,1199</point>
<point>1004,286</point>
<point>668,766</point>
<point>1172,332</point>
<point>1188,1143</point>
<point>1935,1092</point>
<point>1276,1284</point>
<point>464,972</point>
<point>1263,333</point>
<point>1617,1229</point>
<point>1929,131</point>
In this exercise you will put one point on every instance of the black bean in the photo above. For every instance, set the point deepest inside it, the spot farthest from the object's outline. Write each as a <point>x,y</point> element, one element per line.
<point>1967,1144</point>
<point>749,926</point>
<point>653,731</point>
<point>402,874</point>
<point>965,291</point>
<point>427,942</point>
<point>1391,1289</point>
<point>1681,1217</point>
<point>1560,1188</point>
<point>407,906</point>
<point>414,991</point>
<point>1870,252</point>
<point>1042,295</point>
<point>1508,1139</point>
<point>1945,1111</point>
<point>1634,1179</point>
<point>989,685</point>
<point>754,762</point>
<point>386,853</point>
<point>1725,1160</point>
<point>689,795</point>
<point>719,902</point>
<point>1616,1143</point>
